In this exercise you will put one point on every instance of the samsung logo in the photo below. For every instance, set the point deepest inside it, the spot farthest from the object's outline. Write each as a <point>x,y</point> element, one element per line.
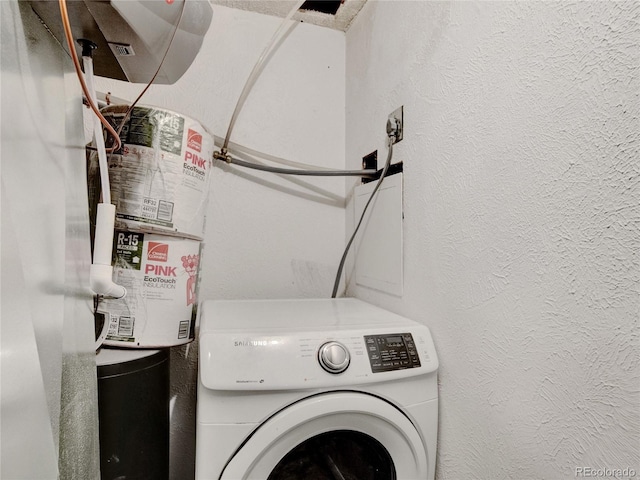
<point>268,342</point>
<point>251,343</point>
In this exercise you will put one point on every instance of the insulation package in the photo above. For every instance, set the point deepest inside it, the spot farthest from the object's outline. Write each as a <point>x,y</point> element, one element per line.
<point>160,274</point>
<point>160,176</point>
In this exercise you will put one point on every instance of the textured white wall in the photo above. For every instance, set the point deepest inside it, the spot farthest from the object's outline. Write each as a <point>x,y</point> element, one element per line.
<point>266,237</point>
<point>522,220</point>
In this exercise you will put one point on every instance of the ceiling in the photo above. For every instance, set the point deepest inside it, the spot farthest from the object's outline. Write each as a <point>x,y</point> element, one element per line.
<point>345,14</point>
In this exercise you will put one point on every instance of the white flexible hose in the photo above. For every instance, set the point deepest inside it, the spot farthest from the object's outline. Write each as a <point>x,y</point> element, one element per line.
<point>101,271</point>
<point>257,68</point>
<point>240,149</point>
<point>98,138</point>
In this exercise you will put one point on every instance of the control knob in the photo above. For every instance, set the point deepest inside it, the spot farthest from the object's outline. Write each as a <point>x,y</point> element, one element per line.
<point>334,357</point>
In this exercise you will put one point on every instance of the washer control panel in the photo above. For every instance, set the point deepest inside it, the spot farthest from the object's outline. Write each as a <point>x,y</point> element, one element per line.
<point>255,360</point>
<point>390,352</point>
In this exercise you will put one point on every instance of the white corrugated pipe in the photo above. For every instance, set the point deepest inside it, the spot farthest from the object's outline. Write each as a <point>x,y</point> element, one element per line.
<point>101,272</point>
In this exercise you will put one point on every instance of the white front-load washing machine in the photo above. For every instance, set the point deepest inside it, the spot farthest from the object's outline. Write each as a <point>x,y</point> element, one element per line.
<point>314,390</point>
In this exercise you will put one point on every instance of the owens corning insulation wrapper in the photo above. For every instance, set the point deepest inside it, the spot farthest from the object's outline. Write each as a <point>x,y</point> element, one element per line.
<point>160,274</point>
<point>160,177</point>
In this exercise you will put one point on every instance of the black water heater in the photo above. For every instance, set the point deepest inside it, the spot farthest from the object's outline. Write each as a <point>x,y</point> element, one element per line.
<point>133,402</point>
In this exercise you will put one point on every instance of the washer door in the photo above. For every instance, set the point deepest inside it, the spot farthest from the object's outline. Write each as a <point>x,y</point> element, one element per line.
<point>338,435</point>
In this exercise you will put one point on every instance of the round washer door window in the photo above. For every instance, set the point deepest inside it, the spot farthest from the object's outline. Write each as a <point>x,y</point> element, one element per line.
<point>331,425</point>
<point>343,454</point>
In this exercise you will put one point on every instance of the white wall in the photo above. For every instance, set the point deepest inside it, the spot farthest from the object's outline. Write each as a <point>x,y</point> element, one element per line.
<point>522,194</point>
<point>266,237</point>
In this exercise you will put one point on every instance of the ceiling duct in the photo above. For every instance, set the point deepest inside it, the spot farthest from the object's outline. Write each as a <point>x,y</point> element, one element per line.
<point>323,6</point>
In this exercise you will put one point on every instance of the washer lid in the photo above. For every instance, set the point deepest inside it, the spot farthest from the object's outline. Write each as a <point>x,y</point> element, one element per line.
<point>295,315</point>
<point>337,411</point>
